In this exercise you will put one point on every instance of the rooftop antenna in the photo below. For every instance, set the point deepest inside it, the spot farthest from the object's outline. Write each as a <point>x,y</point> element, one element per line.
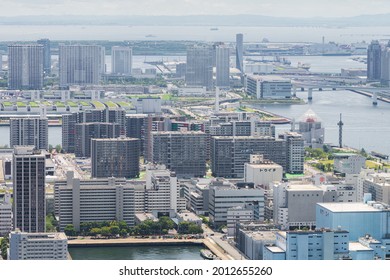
<point>340,124</point>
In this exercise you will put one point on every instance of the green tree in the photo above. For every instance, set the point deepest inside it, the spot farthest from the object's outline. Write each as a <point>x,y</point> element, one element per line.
<point>122,225</point>
<point>166,223</point>
<point>105,231</point>
<point>70,230</point>
<point>4,245</point>
<point>95,231</point>
<point>114,230</point>
<point>123,233</point>
<point>58,148</point>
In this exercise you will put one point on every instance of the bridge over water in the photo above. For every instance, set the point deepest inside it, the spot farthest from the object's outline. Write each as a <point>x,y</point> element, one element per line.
<point>375,93</point>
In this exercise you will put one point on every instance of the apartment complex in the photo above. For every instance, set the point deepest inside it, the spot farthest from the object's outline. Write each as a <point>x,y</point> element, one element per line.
<point>29,131</point>
<point>25,67</point>
<point>80,65</point>
<point>116,157</point>
<point>182,152</point>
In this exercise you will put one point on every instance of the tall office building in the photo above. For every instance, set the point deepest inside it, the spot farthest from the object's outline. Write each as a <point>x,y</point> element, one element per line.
<point>240,52</point>
<point>199,70</point>
<point>181,152</point>
<point>374,52</point>
<point>69,122</point>
<point>29,189</point>
<point>121,60</point>
<point>29,131</point>
<point>46,55</point>
<point>222,62</point>
<point>85,132</point>
<point>385,65</point>
<point>80,65</point>
<point>25,67</point>
<point>117,157</point>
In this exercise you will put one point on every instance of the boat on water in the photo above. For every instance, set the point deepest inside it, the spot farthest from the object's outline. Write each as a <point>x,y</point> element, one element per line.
<point>207,254</point>
<point>214,28</point>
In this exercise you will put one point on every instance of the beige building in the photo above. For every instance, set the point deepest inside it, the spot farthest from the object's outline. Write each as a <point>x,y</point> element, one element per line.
<point>262,172</point>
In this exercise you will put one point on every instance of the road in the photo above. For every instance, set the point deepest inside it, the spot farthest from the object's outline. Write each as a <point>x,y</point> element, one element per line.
<point>227,249</point>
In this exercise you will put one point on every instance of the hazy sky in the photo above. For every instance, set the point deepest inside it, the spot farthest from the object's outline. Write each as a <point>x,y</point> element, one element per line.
<point>290,8</point>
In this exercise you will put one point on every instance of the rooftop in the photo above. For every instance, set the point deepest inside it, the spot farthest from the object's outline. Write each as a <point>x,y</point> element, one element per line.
<point>348,207</point>
<point>269,78</point>
<point>356,246</point>
<point>262,235</point>
<point>345,154</point>
<point>275,249</point>
<point>306,187</point>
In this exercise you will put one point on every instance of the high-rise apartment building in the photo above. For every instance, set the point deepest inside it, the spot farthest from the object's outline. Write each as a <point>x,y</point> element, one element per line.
<point>29,189</point>
<point>199,70</point>
<point>118,157</point>
<point>121,60</point>
<point>25,67</point>
<point>374,52</point>
<point>295,152</point>
<point>240,52</point>
<point>85,132</point>
<point>230,153</point>
<point>80,65</point>
<point>29,131</point>
<point>182,152</point>
<point>46,55</point>
<point>69,122</point>
<point>222,62</point>
<point>136,128</point>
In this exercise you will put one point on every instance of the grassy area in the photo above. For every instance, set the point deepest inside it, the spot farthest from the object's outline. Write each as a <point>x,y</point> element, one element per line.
<point>125,104</point>
<point>329,161</point>
<point>21,104</point>
<point>72,104</point>
<point>294,176</point>
<point>111,104</point>
<point>33,104</point>
<point>84,103</point>
<point>166,96</point>
<point>372,164</point>
<point>47,103</point>
<point>7,104</point>
<point>98,104</point>
<point>59,104</point>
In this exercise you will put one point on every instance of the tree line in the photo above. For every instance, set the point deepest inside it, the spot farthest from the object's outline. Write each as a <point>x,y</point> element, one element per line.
<point>148,227</point>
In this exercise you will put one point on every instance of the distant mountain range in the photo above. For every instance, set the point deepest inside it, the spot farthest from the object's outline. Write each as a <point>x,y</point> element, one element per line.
<point>200,20</point>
